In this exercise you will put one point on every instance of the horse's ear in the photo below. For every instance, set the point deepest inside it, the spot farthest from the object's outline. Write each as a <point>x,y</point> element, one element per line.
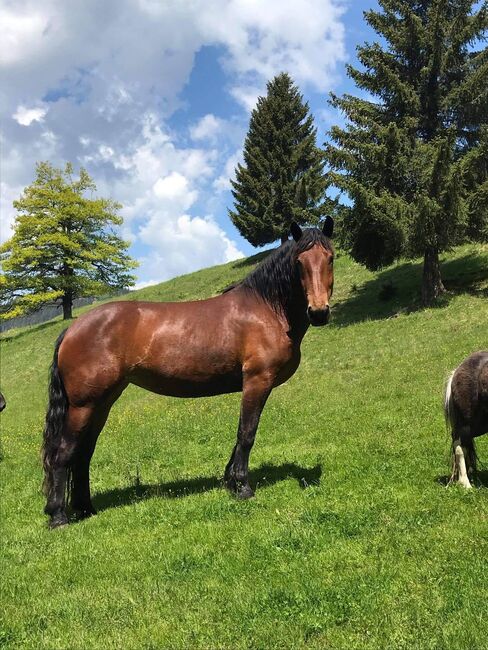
<point>328,227</point>
<point>295,230</point>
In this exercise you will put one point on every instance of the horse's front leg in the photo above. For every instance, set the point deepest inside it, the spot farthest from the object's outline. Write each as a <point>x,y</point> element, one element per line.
<point>254,395</point>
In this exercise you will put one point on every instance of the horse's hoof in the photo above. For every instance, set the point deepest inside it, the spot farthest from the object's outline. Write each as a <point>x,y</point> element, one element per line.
<point>85,513</point>
<point>245,492</point>
<point>241,490</point>
<point>58,522</point>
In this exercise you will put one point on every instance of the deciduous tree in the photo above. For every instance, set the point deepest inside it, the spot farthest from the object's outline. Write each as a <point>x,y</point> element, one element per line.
<point>64,244</point>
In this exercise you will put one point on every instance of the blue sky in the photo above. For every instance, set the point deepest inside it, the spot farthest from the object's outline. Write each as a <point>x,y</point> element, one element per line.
<point>153,97</point>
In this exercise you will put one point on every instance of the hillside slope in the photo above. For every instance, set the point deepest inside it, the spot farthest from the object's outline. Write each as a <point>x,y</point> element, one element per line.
<point>352,540</point>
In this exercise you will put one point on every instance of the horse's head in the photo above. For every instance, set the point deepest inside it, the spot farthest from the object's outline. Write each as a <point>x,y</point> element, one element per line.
<point>315,261</point>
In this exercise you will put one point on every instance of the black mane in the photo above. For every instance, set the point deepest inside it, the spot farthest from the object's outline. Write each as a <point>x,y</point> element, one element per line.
<point>274,277</point>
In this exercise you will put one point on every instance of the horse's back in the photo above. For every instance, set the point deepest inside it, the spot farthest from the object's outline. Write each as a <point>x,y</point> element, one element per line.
<point>483,382</point>
<point>186,349</point>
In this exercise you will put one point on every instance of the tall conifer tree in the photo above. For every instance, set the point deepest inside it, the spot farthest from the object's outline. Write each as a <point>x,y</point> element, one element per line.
<point>413,154</point>
<point>281,179</point>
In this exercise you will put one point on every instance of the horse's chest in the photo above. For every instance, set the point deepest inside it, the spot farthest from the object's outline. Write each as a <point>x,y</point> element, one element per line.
<point>288,368</point>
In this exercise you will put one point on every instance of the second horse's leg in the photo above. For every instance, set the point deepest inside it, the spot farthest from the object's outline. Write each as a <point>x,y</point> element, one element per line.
<point>255,392</point>
<point>459,473</point>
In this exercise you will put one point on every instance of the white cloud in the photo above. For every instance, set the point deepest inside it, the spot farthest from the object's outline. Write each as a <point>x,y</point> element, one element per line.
<point>21,33</point>
<point>247,95</point>
<point>222,182</point>
<point>175,189</point>
<point>207,128</point>
<point>25,116</point>
<point>184,244</point>
<point>263,38</point>
<point>145,283</point>
<point>8,194</point>
<point>97,82</point>
<point>180,243</point>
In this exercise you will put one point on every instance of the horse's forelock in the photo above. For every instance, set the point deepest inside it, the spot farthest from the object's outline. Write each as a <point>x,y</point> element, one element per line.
<point>309,238</point>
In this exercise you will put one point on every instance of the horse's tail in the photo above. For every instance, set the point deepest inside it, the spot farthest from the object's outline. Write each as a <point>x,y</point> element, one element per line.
<point>55,418</point>
<point>448,405</point>
<point>449,418</point>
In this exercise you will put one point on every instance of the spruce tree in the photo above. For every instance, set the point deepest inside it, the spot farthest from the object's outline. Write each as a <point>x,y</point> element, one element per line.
<point>63,246</point>
<point>281,179</point>
<point>412,156</point>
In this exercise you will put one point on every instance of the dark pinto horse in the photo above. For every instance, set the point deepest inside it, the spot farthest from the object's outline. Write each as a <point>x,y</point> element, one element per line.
<point>466,412</point>
<point>246,339</point>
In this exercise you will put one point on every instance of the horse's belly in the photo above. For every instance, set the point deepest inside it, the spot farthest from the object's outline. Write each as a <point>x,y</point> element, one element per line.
<point>175,386</point>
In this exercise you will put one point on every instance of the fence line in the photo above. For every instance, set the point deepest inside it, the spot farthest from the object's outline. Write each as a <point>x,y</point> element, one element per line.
<point>47,312</point>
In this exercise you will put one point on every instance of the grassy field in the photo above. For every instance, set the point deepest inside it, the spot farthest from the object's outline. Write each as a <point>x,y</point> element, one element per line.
<point>352,540</point>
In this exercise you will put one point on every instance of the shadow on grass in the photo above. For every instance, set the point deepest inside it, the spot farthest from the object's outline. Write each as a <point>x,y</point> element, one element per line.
<point>20,332</point>
<point>260,477</point>
<point>396,290</point>
<point>480,479</point>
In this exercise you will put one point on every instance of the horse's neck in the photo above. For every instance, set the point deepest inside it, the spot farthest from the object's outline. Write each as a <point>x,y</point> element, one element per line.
<point>297,318</point>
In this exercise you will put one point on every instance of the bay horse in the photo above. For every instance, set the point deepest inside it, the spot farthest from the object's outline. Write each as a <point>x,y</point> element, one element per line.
<point>245,339</point>
<point>466,413</point>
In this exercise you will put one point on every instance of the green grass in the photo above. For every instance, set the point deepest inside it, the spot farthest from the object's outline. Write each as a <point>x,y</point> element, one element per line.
<point>352,540</point>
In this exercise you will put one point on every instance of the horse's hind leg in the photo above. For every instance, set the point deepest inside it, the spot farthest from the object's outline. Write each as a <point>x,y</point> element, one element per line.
<point>460,474</point>
<point>77,421</point>
<point>470,456</point>
<point>80,489</point>
<point>80,495</point>
<point>462,458</point>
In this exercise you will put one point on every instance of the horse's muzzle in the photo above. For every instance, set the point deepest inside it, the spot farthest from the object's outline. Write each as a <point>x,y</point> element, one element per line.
<point>318,317</point>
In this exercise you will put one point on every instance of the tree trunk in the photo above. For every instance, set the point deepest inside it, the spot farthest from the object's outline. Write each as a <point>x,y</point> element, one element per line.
<point>432,286</point>
<point>284,239</point>
<point>67,306</point>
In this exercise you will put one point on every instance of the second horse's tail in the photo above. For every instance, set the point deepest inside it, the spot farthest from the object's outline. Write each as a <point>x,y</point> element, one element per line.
<point>448,406</point>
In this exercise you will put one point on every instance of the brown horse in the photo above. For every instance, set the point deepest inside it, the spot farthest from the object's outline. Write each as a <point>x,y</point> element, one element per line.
<point>466,412</point>
<point>246,339</point>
